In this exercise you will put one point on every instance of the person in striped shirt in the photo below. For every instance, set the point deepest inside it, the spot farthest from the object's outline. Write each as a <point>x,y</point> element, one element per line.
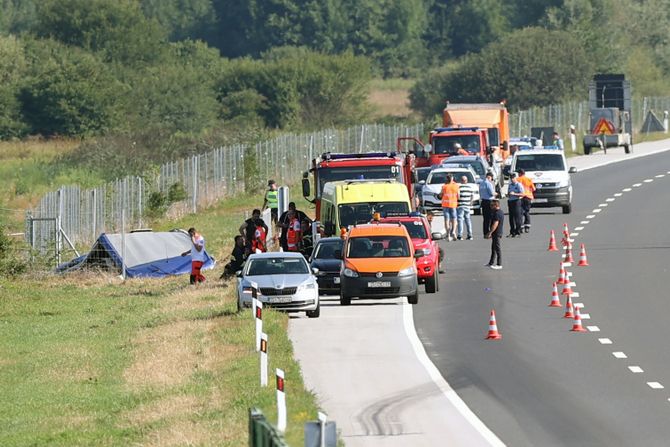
<point>464,206</point>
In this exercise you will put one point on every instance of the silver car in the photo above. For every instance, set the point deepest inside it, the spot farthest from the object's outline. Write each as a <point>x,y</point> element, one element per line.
<point>284,280</point>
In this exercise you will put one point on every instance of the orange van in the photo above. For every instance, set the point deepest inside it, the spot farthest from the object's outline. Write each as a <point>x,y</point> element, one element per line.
<point>378,261</point>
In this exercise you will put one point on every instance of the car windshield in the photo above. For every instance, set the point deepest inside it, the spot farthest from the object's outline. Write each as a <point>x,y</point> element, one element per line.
<point>326,250</point>
<point>539,162</point>
<point>477,165</point>
<point>447,144</point>
<point>357,213</point>
<point>422,174</point>
<point>378,247</point>
<point>392,172</point>
<point>415,229</point>
<point>438,178</point>
<point>277,266</point>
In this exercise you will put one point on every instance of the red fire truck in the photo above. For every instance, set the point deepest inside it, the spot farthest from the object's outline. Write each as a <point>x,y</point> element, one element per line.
<point>330,167</point>
<point>447,141</point>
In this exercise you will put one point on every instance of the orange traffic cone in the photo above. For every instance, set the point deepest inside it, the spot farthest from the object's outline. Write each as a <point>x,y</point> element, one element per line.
<point>582,256</point>
<point>577,325</point>
<point>555,301</point>
<point>562,276</point>
<point>568,253</point>
<point>552,242</point>
<point>493,328</point>
<point>569,308</point>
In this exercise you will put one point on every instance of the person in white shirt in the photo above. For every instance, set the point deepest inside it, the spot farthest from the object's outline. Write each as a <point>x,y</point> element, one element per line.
<point>197,253</point>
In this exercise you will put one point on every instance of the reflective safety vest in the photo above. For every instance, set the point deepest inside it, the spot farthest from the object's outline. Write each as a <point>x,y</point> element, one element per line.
<point>450,195</point>
<point>272,198</point>
<point>292,235</point>
<point>258,242</point>
<point>528,186</point>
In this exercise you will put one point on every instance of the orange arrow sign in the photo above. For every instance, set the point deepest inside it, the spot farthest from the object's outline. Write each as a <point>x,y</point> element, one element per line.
<point>603,126</point>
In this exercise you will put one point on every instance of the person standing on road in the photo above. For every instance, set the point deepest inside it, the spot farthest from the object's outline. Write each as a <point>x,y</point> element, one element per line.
<point>272,201</point>
<point>526,199</point>
<point>197,252</point>
<point>495,234</point>
<point>449,198</point>
<point>514,194</point>
<point>487,192</point>
<point>464,206</point>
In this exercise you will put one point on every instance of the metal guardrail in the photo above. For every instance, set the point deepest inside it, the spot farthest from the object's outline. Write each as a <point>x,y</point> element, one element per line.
<point>262,433</point>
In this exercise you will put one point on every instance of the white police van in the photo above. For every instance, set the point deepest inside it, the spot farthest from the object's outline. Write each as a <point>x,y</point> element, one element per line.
<point>548,169</point>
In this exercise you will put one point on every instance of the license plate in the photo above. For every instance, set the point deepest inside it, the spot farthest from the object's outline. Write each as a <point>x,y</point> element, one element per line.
<point>540,200</point>
<point>336,279</point>
<point>280,299</point>
<point>379,284</point>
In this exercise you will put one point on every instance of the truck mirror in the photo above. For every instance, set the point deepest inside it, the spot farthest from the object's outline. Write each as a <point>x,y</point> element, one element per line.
<point>572,170</point>
<point>305,187</point>
<point>428,148</point>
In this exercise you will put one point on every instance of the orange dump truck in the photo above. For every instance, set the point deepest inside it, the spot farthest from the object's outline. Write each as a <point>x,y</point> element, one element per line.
<point>493,117</point>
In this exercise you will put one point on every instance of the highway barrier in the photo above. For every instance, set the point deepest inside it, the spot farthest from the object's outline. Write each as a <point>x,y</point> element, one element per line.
<point>262,433</point>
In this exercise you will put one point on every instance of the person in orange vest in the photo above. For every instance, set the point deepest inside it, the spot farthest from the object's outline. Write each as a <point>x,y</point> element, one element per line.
<point>294,232</point>
<point>449,198</point>
<point>526,199</point>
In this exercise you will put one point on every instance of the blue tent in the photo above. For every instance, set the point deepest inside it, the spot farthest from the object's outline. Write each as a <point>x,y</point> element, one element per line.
<point>147,254</point>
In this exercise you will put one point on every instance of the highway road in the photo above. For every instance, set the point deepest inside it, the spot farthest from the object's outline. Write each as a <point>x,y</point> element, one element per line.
<point>541,384</point>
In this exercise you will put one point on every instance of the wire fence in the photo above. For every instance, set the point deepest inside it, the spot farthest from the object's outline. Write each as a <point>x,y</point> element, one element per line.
<point>199,181</point>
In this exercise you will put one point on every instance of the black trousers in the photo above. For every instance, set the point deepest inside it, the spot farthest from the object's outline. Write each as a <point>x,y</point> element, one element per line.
<point>525,211</point>
<point>486,214</point>
<point>514,210</point>
<point>496,253</point>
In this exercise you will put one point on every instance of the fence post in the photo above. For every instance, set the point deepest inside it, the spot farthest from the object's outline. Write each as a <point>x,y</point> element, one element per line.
<point>123,244</point>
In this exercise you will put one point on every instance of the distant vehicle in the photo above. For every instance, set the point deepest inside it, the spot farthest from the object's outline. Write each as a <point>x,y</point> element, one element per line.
<point>323,258</point>
<point>427,265</point>
<point>332,167</point>
<point>515,144</point>
<point>421,175</point>
<point>430,199</point>
<point>481,167</point>
<point>351,202</point>
<point>610,113</point>
<point>378,261</point>
<point>549,171</point>
<point>285,282</point>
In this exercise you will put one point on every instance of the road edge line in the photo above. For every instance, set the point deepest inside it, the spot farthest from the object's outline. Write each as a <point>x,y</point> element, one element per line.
<point>441,382</point>
<point>630,157</point>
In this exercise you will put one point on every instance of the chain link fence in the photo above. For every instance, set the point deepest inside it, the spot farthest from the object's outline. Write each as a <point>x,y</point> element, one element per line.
<point>196,182</point>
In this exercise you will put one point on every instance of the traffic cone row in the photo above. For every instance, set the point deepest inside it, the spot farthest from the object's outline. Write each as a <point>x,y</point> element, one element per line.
<point>568,308</point>
<point>562,275</point>
<point>568,254</point>
<point>577,325</point>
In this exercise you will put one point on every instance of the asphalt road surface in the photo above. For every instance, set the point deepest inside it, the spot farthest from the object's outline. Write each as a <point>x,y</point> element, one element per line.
<point>541,384</point>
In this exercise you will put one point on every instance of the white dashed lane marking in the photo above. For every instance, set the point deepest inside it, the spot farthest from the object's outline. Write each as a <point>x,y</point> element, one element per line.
<point>584,222</point>
<point>635,369</point>
<point>618,194</point>
<point>605,341</point>
<point>575,294</point>
<point>626,190</point>
<point>574,234</point>
<point>619,355</point>
<point>593,328</point>
<point>597,210</point>
<point>637,185</point>
<point>610,199</point>
<point>602,205</point>
<point>585,316</point>
<point>579,228</point>
<point>649,180</point>
<point>590,216</point>
<point>655,385</point>
<point>660,176</point>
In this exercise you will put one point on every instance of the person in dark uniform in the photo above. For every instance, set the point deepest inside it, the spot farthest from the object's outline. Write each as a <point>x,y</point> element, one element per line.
<point>237,258</point>
<point>495,233</point>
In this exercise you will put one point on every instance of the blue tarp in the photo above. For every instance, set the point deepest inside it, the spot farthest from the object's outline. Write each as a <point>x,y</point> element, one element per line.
<point>147,254</point>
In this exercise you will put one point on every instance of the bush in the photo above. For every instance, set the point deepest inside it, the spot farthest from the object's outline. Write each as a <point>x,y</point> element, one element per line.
<point>176,193</point>
<point>10,263</point>
<point>156,204</point>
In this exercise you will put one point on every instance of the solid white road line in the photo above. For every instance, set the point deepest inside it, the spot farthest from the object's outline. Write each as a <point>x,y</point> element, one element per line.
<point>655,385</point>
<point>593,328</point>
<point>635,369</point>
<point>605,341</point>
<point>619,355</point>
<point>441,383</point>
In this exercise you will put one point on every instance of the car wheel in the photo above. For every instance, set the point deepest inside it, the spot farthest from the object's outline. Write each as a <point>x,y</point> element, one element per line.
<point>344,300</point>
<point>431,283</point>
<point>567,209</point>
<point>413,299</point>
<point>314,313</point>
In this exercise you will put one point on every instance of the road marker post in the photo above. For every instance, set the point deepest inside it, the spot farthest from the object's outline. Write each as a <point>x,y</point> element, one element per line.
<point>259,324</point>
<point>264,359</point>
<point>281,401</point>
<point>254,299</point>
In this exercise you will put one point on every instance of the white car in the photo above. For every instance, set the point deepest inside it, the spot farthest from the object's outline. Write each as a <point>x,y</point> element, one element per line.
<point>433,187</point>
<point>284,280</point>
<point>549,171</point>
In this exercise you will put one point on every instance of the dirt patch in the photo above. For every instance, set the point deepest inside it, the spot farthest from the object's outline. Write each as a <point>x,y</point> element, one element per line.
<point>166,356</point>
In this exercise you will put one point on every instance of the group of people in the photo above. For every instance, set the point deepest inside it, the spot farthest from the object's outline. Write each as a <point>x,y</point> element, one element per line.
<point>456,205</point>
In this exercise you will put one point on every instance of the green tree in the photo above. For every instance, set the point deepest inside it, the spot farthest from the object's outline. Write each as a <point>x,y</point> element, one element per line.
<point>17,16</point>
<point>182,19</point>
<point>118,30</point>
<point>13,68</point>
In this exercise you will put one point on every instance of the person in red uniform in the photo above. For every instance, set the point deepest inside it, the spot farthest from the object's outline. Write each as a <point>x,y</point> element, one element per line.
<point>198,258</point>
<point>293,232</point>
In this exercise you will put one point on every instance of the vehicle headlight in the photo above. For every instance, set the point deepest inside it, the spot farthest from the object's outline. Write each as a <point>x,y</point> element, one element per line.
<point>408,271</point>
<point>426,251</point>
<point>307,286</point>
<point>350,273</point>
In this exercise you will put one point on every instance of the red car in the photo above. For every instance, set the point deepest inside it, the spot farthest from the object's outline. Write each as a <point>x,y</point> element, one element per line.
<point>419,230</point>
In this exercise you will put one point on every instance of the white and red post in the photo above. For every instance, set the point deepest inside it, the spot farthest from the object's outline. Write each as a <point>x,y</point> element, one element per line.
<point>264,359</point>
<point>281,401</point>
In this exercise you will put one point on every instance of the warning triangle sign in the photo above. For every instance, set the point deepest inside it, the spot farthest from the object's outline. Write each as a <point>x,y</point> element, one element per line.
<point>603,126</point>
